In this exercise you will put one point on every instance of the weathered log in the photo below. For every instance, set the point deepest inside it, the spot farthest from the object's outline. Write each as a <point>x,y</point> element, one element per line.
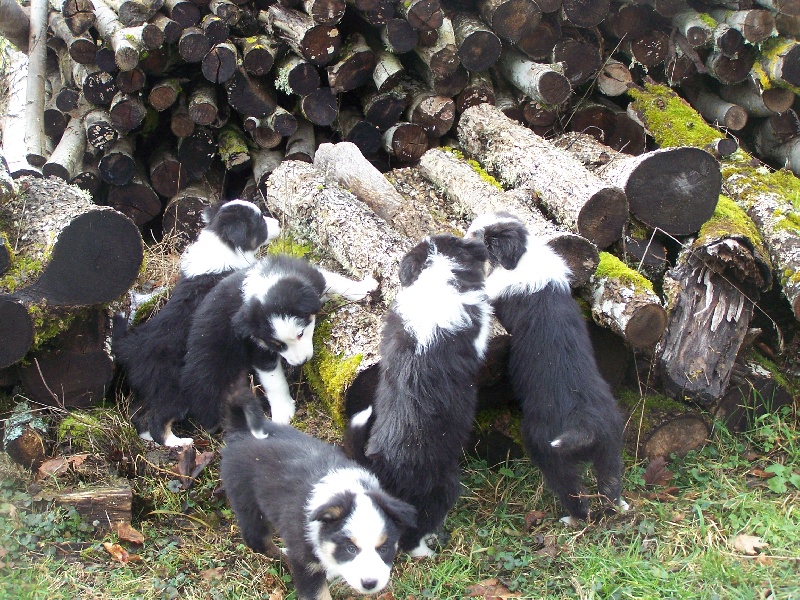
<point>295,75</point>
<point>510,19</point>
<point>538,42</point>
<point>233,150</point>
<point>728,70</point>
<point>215,29</point>
<point>643,250</point>
<point>203,106</point>
<point>301,145</point>
<point>650,47</point>
<point>441,58</point>
<point>433,112</point>
<point>135,12</point>
<point>193,44</point>
<point>196,151</point>
<point>79,15</point>
<point>624,301</point>
<point>472,194</point>
<point>258,54</point>
<point>320,106</point>
<point>399,36</point>
<point>781,147</point>
<point>354,65</point>
<point>711,294</point>
<point>125,41</point>
<point>352,127</point>
<point>543,83</point>
<point>184,13</point>
<point>328,12</point>
<point>35,145</point>
<point>249,95</point>
<point>130,82</point>
<point>14,123</point>
<point>225,10</point>
<point>68,154</point>
<point>81,48</point>
<point>479,90</point>
<point>183,215</point>
<point>127,112</point>
<point>383,109</point>
<point>672,189</point>
<point>580,58</point>
<point>755,99</point>
<point>167,173</point>
<point>136,199</point>
<point>164,93</point>
<point>584,13</point>
<point>405,141</point>
<point>219,64</point>
<point>423,15</point>
<point>106,506</point>
<point>763,195</point>
<point>75,369</point>
<point>754,25</point>
<point>697,28</point>
<point>169,27</point>
<point>478,46</point>
<point>181,123</point>
<point>779,60</point>
<point>76,254</point>
<point>88,177</point>
<point>580,201</point>
<point>614,78</point>
<point>98,87</point>
<point>118,163</point>
<point>316,42</point>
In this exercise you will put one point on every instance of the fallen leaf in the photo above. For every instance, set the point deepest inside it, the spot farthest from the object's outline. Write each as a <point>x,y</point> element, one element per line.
<point>214,573</point>
<point>490,589</point>
<point>3,552</point>
<point>763,560</point>
<point>119,553</point>
<point>54,466</point>
<point>201,462</point>
<point>385,596</point>
<point>186,462</point>
<point>129,534</point>
<point>756,472</point>
<point>748,544</point>
<point>657,473</point>
<point>549,546</point>
<point>276,594</point>
<point>534,517</point>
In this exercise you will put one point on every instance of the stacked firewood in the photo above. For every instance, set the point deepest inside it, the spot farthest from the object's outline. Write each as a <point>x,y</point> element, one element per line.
<point>160,107</point>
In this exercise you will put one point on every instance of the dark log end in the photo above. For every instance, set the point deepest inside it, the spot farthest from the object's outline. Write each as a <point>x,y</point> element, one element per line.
<point>554,87</point>
<point>735,118</point>
<point>480,51</point>
<point>585,13</point>
<point>604,216</point>
<point>321,44</point>
<point>400,36</point>
<point>580,255</point>
<point>16,326</point>
<point>678,436</point>
<point>778,99</point>
<point>320,106</point>
<point>646,326</point>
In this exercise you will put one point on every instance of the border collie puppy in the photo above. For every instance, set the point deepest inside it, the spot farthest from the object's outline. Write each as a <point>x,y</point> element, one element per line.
<point>569,415</point>
<point>152,353</point>
<point>249,321</point>
<point>334,518</point>
<point>433,343</point>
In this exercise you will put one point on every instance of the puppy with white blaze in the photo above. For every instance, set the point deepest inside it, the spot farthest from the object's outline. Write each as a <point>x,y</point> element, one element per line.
<point>433,342</point>
<point>569,415</point>
<point>251,320</point>
<point>334,518</point>
<point>151,354</point>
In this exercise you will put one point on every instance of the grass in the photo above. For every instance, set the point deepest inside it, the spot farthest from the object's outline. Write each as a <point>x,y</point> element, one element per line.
<point>676,542</point>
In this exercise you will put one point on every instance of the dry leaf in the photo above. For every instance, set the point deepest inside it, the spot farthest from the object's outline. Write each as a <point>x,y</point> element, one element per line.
<point>748,544</point>
<point>129,534</point>
<point>214,573</point>
<point>657,472</point>
<point>119,553</point>
<point>276,594</point>
<point>756,472</point>
<point>535,517</point>
<point>385,596</point>
<point>54,466</point>
<point>490,589</point>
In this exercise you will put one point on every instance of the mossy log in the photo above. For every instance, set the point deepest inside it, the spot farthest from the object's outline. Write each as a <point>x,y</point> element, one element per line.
<point>672,189</point>
<point>711,294</point>
<point>344,164</point>
<point>475,192</point>
<point>768,197</point>
<point>624,301</point>
<point>25,436</point>
<point>68,253</point>
<point>574,197</point>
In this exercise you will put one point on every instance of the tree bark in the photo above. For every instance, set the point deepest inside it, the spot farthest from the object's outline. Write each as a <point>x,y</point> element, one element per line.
<point>510,19</point>
<point>107,505</point>
<point>14,152</point>
<point>79,15</point>
<point>36,151</point>
<point>354,65</point>
<point>543,83</point>
<point>67,157</point>
<point>405,142</point>
<point>317,43</point>
<point>579,200</point>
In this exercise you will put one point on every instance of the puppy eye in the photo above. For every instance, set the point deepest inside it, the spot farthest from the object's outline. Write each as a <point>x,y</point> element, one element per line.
<point>352,549</point>
<point>300,335</point>
<point>384,549</point>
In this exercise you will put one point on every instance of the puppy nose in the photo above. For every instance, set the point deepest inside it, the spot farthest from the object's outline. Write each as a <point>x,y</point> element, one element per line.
<point>369,584</point>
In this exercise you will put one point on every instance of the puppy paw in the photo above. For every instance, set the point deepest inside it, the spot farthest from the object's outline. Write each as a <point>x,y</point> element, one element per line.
<point>361,289</point>
<point>570,520</point>
<point>623,506</point>
<point>282,410</point>
<point>421,551</point>
<point>145,435</point>
<point>173,440</point>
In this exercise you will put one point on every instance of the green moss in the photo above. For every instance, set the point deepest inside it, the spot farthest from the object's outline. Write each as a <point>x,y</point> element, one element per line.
<point>329,374</point>
<point>23,270</point>
<point>507,420</point>
<point>476,166</point>
<point>670,120</point>
<point>772,49</point>
<point>729,218</point>
<point>285,244</point>
<point>707,19</point>
<point>48,323</point>
<point>610,267</point>
<point>791,384</point>
<point>150,306</point>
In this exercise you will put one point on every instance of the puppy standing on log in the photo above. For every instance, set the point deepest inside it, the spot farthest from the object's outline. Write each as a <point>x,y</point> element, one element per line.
<point>332,514</point>
<point>569,415</point>
<point>433,343</point>
<point>152,353</point>
<point>249,321</point>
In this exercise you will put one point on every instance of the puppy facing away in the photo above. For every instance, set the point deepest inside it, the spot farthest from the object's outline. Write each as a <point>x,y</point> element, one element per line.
<point>433,343</point>
<point>151,354</point>
<point>334,518</point>
<point>249,321</point>
<point>569,415</point>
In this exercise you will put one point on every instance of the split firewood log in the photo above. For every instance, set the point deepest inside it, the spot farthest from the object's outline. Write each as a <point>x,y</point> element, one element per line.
<point>711,294</point>
<point>673,189</point>
<point>579,200</point>
<point>105,505</point>
<point>471,193</point>
<point>764,195</point>
<point>68,253</point>
<point>624,301</point>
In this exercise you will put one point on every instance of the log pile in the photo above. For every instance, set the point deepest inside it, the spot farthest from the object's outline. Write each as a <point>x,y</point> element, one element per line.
<point>611,127</point>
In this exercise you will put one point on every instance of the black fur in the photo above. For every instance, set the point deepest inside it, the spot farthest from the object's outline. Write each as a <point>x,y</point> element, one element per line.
<point>554,375</point>
<point>426,400</point>
<point>152,353</point>
<point>269,483</point>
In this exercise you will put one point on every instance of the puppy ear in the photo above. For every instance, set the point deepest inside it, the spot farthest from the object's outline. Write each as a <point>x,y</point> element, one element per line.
<point>506,243</point>
<point>234,232</point>
<point>243,320</point>
<point>402,513</point>
<point>412,263</point>
<point>335,509</point>
<point>211,211</point>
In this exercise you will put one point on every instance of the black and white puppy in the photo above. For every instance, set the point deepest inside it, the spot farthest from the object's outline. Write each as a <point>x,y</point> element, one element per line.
<point>249,321</point>
<point>334,518</point>
<point>433,343</point>
<point>569,415</point>
<point>151,354</point>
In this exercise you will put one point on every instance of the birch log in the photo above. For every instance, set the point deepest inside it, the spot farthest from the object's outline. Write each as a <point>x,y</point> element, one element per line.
<point>14,118</point>
<point>14,24</point>
<point>34,92</point>
<point>577,199</point>
<point>472,194</point>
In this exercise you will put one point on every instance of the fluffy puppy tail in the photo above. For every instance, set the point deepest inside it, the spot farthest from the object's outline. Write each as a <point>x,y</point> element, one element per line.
<point>119,330</point>
<point>244,415</point>
<point>573,440</point>
<point>356,435</point>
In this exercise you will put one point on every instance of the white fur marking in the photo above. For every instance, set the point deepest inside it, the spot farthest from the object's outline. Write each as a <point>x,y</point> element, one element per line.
<point>173,440</point>
<point>623,506</point>
<point>431,304</point>
<point>208,254</point>
<point>556,443</point>
<point>246,203</point>
<point>145,435</point>
<point>422,550</point>
<point>360,418</point>
<point>570,520</point>
<point>257,284</point>
<point>281,403</point>
<point>273,228</point>
<point>349,289</point>
<point>298,337</point>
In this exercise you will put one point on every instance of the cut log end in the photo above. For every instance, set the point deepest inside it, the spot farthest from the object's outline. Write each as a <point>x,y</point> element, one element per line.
<point>646,326</point>
<point>554,88</point>
<point>17,328</point>
<point>604,216</point>
<point>580,255</point>
<point>679,436</point>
